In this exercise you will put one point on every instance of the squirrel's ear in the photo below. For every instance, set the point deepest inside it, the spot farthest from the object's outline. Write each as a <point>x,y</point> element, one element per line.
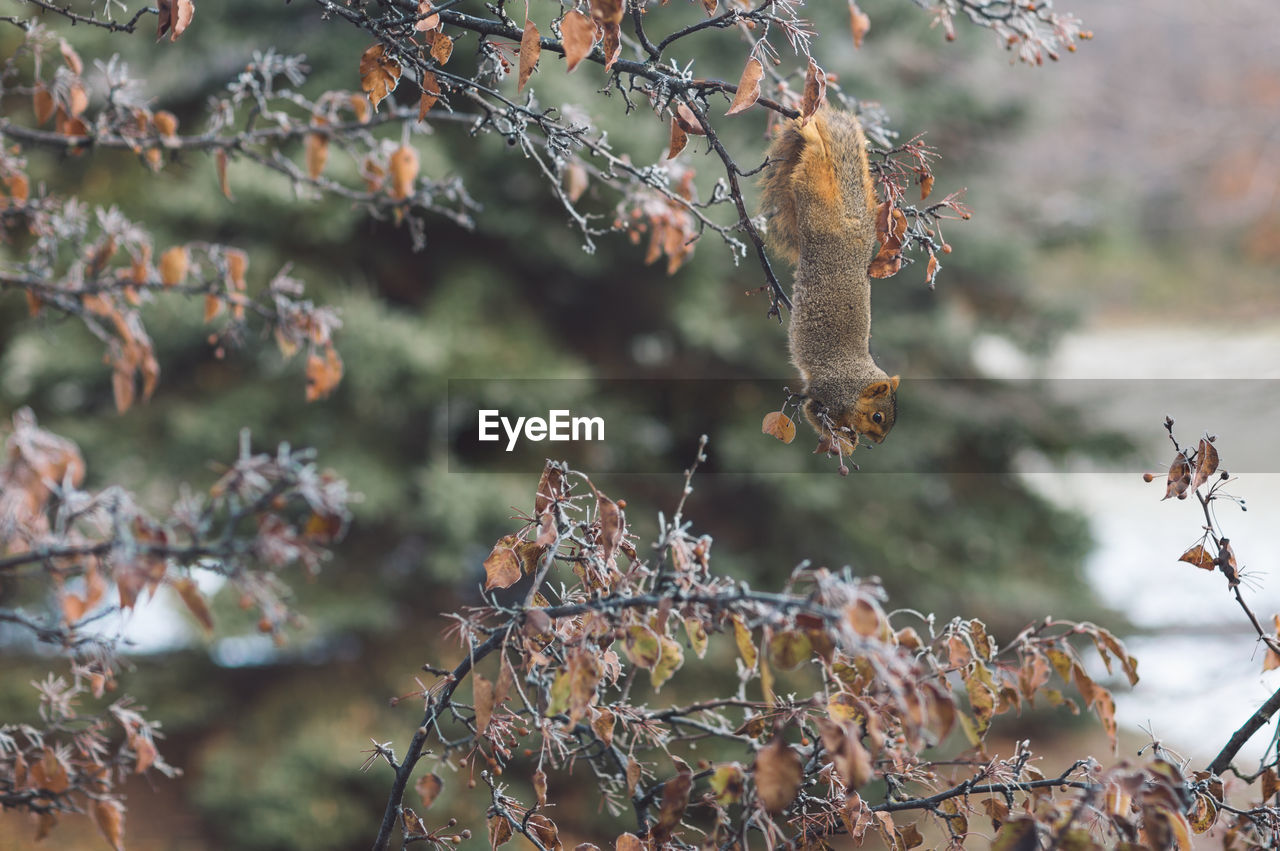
<point>876,389</point>
<point>893,383</point>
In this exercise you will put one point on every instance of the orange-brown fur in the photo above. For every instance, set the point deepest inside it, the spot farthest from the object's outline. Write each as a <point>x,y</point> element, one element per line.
<point>821,205</point>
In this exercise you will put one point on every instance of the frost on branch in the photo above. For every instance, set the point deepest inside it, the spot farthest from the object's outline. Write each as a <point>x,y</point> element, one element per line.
<point>98,554</point>
<point>709,712</point>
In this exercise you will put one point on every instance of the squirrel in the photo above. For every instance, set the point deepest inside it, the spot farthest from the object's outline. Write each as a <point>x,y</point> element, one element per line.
<point>821,204</point>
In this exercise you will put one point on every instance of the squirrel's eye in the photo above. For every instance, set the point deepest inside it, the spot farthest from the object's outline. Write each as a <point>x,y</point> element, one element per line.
<point>877,417</point>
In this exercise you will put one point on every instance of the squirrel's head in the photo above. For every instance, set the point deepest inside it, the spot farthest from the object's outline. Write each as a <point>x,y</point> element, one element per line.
<point>871,414</point>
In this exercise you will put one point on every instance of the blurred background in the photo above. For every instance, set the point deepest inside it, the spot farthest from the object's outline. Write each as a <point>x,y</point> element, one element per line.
<point>1127,226</point>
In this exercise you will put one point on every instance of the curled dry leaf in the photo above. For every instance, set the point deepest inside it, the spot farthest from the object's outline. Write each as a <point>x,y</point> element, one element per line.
<point>427,19</point>
<point>678,140</point>
<point>530,50</point>
<point>926,185</point>
<point>404,171</point>
<point>70,57</point>
<point>379,74</point>
<point>110,818</point>
<point>611,525</point>
<point>430,94</point>
<point>1206,463</point>
<point>578,35</point>
<point>689,121</point>
<point>174,16</point>
<point>42,103</point>
<point>748,87</point>
<point>1179,478</point>
<point>779,425</point>
<point>608,14</point>
<point>815,90</point>
<point>859,23</point>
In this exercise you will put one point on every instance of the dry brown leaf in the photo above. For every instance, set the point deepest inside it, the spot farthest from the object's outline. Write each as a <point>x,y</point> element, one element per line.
<point>578,34</point>
<point>1179,478</point>
<point>483,700</point>
<point>608,14</point>
<point>602,724</point>
<point>428,788</point>
<point>779,425</point>
<point>427,19</point>
<point>502,568</point>
<point>859,23</point>
<point>166,123</point>
<point>70,57</point>
<point>317,153</point>
<point>360,108</point>
<point>174,16</point>
<point>530,50</point>
<point>815,90</point>
<point>323,374</point>
<point>1206,463</point>
<point>174,264</point>
<point>42,103</point>
<point>379,74</point>
<point>441,46</point>
<point>1198,556</point>
<point>778,773</point>
<point>110,818</point>
<point>237,265</point>
<point>413,825</point>
<point>430,94</point>
<point>748,87</point>
<point>675,798</point>
<point>926,185</point>
<point>540,786</point>
<point>404,171</point>
<point>220,163</point>
<point>612,525</point>
<point>77,99</point>
<point>689,121</point>
<point>678,140</point>
<point>628,842</point>
<point>195,602</point>
<point>499,831</point>
<point>575,180</point>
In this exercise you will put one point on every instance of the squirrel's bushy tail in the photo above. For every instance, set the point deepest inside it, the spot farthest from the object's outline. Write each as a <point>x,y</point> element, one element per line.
<point>818,179</point>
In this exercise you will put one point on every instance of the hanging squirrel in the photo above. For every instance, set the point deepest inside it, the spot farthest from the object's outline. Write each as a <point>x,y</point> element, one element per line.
<point>821,204</point>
